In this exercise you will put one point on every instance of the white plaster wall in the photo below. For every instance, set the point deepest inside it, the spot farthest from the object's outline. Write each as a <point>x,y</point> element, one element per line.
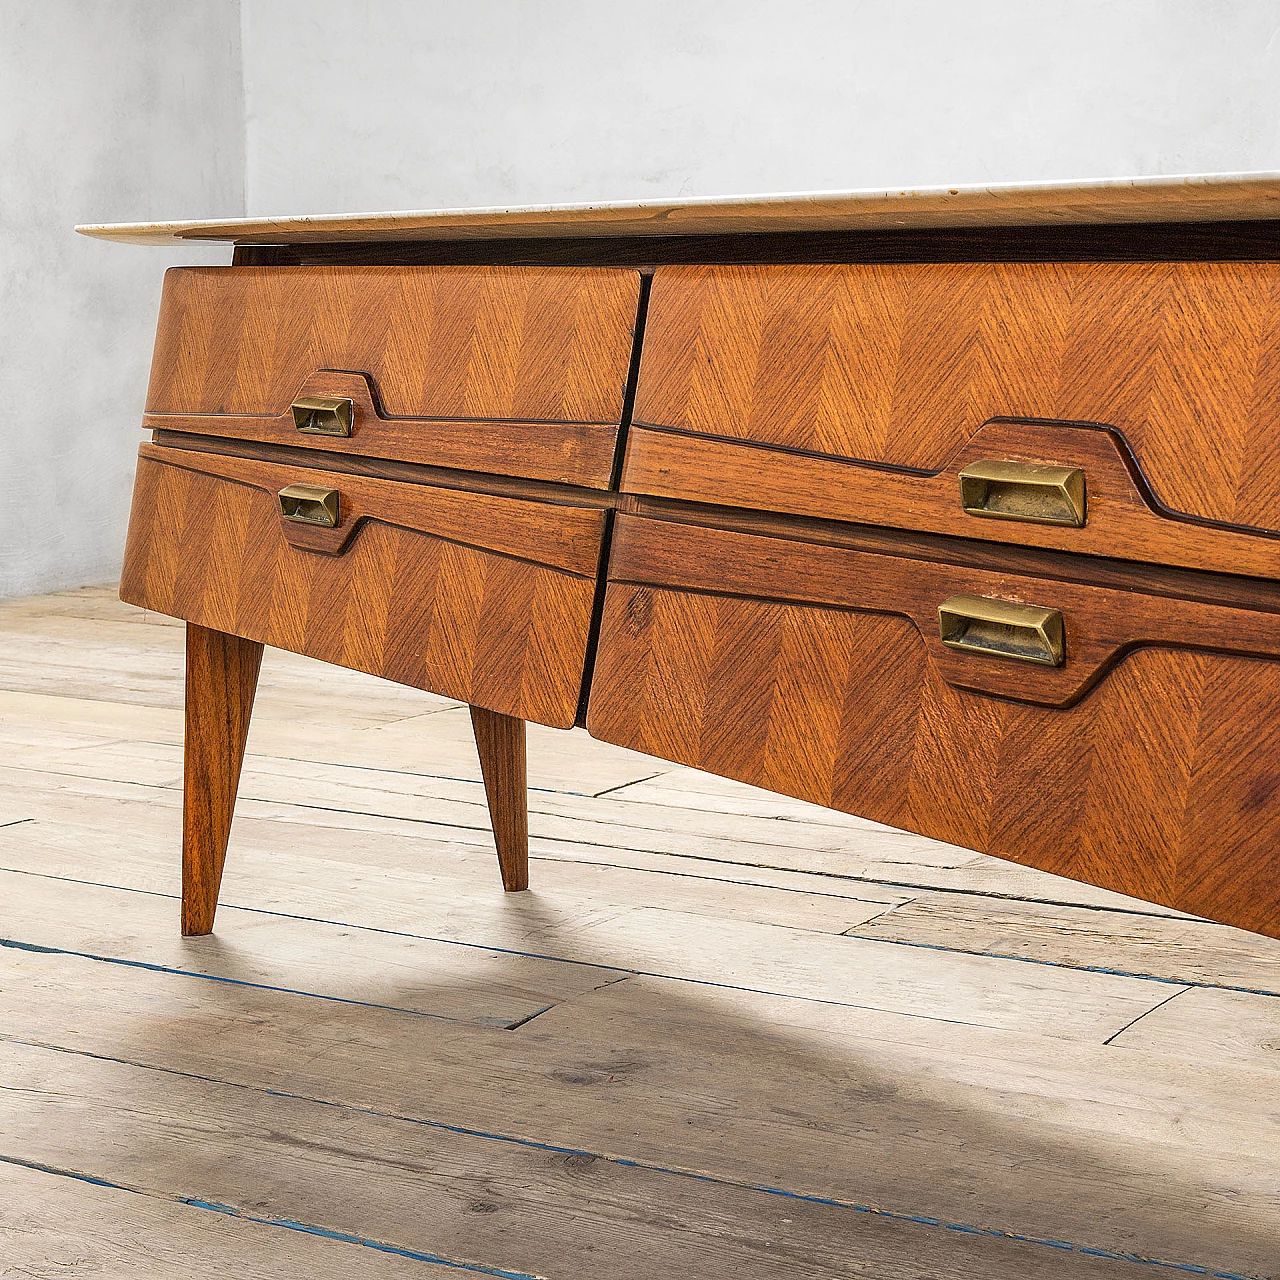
<point>399,104</point>
<point>109,110</point>
<point>131,109</point>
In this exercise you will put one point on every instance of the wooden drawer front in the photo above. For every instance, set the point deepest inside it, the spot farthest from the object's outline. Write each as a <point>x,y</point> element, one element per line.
<point>486,599</point>
<point>511,370</point>
<point>1163,782</point>
<point>1161,380</point>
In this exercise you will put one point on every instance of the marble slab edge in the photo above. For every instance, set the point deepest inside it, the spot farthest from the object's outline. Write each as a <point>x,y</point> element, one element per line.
<point>1188,198</point>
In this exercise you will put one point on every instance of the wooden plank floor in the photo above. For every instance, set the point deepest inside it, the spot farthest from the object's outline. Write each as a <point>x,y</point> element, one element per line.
<point>725,1034</point>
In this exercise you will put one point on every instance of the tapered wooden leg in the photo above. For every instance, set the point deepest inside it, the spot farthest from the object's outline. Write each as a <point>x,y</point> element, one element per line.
<point>222,677</point>
<point>500,742</point>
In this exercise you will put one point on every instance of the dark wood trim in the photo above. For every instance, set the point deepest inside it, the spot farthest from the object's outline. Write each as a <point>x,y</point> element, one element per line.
<point>1063,566</point>
<point>389,469</point>
<point>615,483</point>
<point>562,537</point>
<point>1125,242</point>
<point>222,678</point>
<point>1189,584</point>
<point>500,744</point>
<point>1103,624</point>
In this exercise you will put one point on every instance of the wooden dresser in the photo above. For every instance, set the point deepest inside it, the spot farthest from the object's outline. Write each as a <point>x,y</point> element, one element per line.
<point>955,509</point>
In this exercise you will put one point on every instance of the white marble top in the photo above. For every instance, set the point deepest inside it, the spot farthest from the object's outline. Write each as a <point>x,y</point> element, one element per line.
<point>1193,198</point>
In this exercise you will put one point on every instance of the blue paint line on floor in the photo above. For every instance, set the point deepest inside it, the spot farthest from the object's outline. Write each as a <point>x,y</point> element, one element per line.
<point>333,924</point>
<point>14,945</point>
<point>327,1233</point>
<point>508,951</point>
<point>37,1167</point>
<point>286,1224</point>
<point>474,946</point>
<point>645,973</point>
<point>690,1175</point>
<point>1059,964</point>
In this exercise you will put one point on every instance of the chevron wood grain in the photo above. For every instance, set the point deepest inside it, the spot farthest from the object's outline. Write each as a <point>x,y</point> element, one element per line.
<point>412,603</point>
<point>780,532</point>
<point>559,534</point>
<point>578,453</point>
<point>1101,624</point>
<point>900,364</point>
<point>1162,783</point>
<point>533,349</point>
<point>1124,521</point>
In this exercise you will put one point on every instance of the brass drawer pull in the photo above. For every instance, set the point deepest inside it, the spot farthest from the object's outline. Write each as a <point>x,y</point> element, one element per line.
<point>1032,491</point>
<point>323,416</point>
<point>309,504</point>
<point>1003,629</point>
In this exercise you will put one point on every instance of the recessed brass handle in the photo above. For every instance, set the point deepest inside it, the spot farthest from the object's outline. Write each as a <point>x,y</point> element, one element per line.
<point>1003,629</point>
<point>323,415</point>
<point>1032,491</point>
<point>310,504</point>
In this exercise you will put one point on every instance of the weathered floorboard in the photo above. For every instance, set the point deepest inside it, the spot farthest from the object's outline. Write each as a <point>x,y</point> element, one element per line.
<point>633,1085</point>
<point>53,1225</point>
<point>359,896</point>
<point>458,1195</point>
<point>772,959</point>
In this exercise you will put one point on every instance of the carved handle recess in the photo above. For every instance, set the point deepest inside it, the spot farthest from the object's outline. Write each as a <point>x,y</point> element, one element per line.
<point>1003,629</point>
<point>1034,492</point>
<point>310,504</point>
<point>324,415</point>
